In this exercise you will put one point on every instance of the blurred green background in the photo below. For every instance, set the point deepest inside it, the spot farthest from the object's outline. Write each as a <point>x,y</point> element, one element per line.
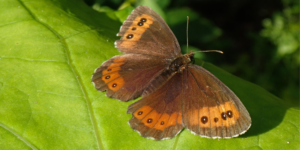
<point>260,39</point>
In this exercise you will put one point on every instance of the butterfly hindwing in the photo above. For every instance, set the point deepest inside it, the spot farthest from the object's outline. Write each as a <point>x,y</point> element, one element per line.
<point>124,77</point>
<point>210,108</point>
<point>158,115</point>
<point>145,32</point>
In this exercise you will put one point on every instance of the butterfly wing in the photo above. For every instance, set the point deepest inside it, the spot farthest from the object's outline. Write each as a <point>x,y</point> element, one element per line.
<point>210,108</point>
<point>124,77</point>
<point>145,32</point>
<point>159,115</point>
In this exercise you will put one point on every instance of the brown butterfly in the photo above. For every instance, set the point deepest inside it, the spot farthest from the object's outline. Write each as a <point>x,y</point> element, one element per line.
<point>175,93</point>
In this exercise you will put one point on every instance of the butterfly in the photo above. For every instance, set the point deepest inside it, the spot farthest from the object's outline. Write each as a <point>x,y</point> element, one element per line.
<point>176,93</point>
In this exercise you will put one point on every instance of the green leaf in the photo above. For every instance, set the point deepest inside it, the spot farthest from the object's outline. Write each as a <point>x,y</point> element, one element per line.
<point>48,53</point>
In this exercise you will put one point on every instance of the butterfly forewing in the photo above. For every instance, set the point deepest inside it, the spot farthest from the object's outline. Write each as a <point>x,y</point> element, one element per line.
<point>145,32</point>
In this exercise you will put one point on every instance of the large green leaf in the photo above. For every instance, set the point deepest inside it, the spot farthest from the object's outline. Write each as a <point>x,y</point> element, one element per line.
<point>48,52</point>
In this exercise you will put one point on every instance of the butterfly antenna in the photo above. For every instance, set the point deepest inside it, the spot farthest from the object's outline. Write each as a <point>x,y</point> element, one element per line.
<point>187,40</point>
<point>187,34</point>
<point>218,51</point>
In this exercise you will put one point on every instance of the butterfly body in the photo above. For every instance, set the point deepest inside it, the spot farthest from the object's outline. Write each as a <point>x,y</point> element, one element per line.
<point>180,63</point>
<point>175,92</point>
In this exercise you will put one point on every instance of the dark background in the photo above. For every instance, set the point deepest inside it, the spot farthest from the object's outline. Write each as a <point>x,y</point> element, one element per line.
<point>260,39</point>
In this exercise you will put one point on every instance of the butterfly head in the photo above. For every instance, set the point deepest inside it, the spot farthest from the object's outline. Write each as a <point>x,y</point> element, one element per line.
<point>190,56</point>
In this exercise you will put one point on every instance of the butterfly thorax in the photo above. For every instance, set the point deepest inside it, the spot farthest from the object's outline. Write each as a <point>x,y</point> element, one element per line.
<point>180,63</point>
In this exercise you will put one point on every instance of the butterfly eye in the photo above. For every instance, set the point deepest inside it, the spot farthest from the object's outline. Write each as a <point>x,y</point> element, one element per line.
<point>162,123</point>
<point>143,20</point>
<point>134,28</point>
<point>107,77</point>
<point>114,85</point>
